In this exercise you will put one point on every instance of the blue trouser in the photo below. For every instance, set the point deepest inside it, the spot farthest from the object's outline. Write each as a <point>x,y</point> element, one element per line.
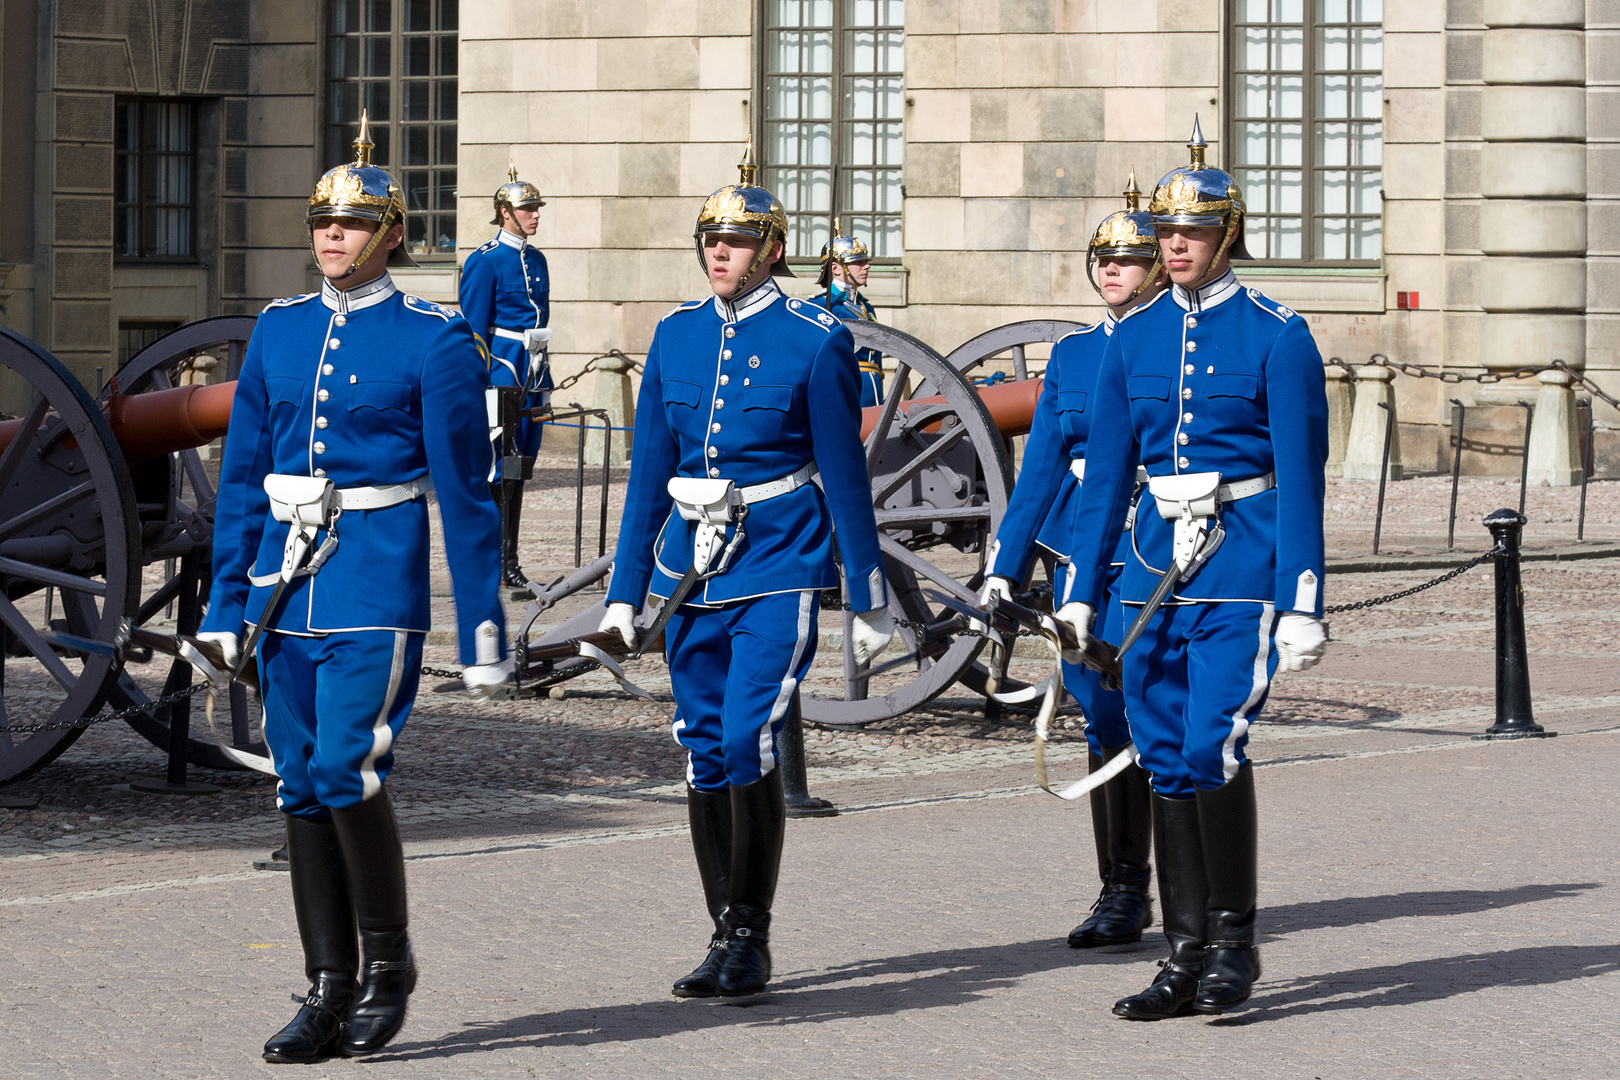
<point>509,366</point>
<point>1193,684</point>
<point>734,670</point>
<point>333,706</point>
<point>1103,709</point>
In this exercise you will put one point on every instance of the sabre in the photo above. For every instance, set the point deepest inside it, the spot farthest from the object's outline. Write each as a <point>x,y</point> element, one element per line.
<point>1096,654</point>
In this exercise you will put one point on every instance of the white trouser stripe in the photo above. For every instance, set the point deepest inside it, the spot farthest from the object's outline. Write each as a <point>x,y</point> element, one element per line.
<point>1240,719</point>
<point>382,735</point>
<point>790,683</point>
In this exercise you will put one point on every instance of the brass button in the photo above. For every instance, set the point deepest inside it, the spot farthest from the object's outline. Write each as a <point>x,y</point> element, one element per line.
<point>714,472</point>
<point>1182,462</point>
<point>334,344</point>
<point>726,355</point>
<point>1182,439</point>
<point>326,369</point>
<point>725,380</point>
<point>1192,321</point>
<point>1186,418</point>
<point>714,451</point>
<point>320,448</point>
<point>1188,369</point>
<point>1192,346</point>
<point>322,394</point>
<point>719,403</point>
<point>319,473</point>
<point>340,320</point>
<point>714,429</point>
<point>1186,395</point>
<point>320,421</point>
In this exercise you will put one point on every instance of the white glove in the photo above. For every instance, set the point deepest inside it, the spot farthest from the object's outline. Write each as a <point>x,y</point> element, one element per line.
<point>230,646</point>
<point>486,680</point>
<point>1301,641</point>
<point>1079,618</point>
<point>870,633</point>
<point>995,587</point>
<point>620,619</point>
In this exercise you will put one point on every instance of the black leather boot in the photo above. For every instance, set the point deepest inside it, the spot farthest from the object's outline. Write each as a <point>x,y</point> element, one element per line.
<point>511,520</point>
<point>320,892</point>
<point>376,861</point>
<point>1124,832</point>
<point>710,815</point>
<point>1230,827</point>
<point>758,818</point>
<point>1183,895</point>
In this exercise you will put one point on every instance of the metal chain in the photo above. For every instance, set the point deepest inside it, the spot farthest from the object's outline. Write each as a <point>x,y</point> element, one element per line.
<point>1418,371</point>
<point>1441,580</point>
<point>105,718</point>
<point>590,366</point>
<point>441,673</point>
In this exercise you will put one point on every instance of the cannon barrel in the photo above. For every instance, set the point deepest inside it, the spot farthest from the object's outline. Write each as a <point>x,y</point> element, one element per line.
<point>1011,407</point>
<point>161,422</point>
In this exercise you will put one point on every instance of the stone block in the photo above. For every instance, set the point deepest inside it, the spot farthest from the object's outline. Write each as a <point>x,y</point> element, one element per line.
<point>1603,163</point>
<point>95,65</point>
<point>1086,60</point>
<point>1462,284</point>
<point>652,64</point>
<point>669,223</point>
<point>1465,56</point>
<point>617,18</point>
<point>1509,341</point>
<point>1414,171</point>
<point>1060,225</point>
<point>1029,59</point>
<point>1521,284</point>
<point>933,169</point>
<point>77,272</point>
<point>1533,113</point>
<point>1602,228</point>
<point>614,117</point>
<point>980,17</point>
<point>1533,170</point>
<point>996,224</point>
<point>1462,226</point>
<point>1534,12</point>
<point>284,121</point>
<point>1519,56</point>
<point>1024,114</point>
<point>987,115</point>
<point>1414,60</point>
<point>81,219</point>
<point>1190,59</point>
<point>1414,226</point>
<point>1141,17</point>
<point>1064,170</point>
<point>278,271</point>
<point>1427,18</point>
<point>275,223</point>
<point>1184,16</point>
<point>575,222</point>
<point>717,114</point>
<point>931,62</point>
<point>84,116</point>
<point>1135,113</point>
<point>579,64</point>
<point>1071,114</point>
<point>942,116</point>
<point>284,21</point>
<point>493,66</point>
<point>1462,113</point>
<point>1462,169</point>
<point>1028,16</point>
<point>81,167</point>
<point>1603,114</point>
<point>281,171</point>
<point>992,169</point>
<point>935,225</point>
<point>1464,13</point>
<point>1138,60</point>
<point>932,17</point>
<point>1604,13</point>
<point>724,63</point>
<point>623,223</point>
<point>1603,285</point>
<point>1602,57</point>
<point>705,167</point>
<point>1414,116</point>
<point>1533,227</point>
<point>980,61</point>
<point>81,325</point>
<point>282,69</point>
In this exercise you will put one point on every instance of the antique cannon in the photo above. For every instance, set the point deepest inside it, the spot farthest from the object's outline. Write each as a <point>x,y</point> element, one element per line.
<point>941,463</point>
<point>106,512</point>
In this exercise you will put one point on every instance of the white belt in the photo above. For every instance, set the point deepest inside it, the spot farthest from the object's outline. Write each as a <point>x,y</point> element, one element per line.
<point>1078,467</point>
<point>509,335</point>
<point>772,488</point>
<point>1242,489</point>
<point>379,498</point>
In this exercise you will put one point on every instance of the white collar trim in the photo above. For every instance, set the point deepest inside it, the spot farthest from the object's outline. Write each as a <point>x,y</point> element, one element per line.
<point>754,301</point>
<point>360,297</point>
<point>1216,292</point>
<point>511,239</point>
<point>1109,322</point>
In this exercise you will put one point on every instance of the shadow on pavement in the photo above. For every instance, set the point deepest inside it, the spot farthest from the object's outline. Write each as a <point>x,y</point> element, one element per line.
<point>1419,981</point>
<point>1275,922</point>
<point>862,989</point>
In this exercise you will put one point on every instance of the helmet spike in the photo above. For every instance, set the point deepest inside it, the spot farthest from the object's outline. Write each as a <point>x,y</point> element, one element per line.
<point>1133,194</point>
<point>362,142</point>
<point>1197,145</point>
<point>511,170</point>
<point>747,168</point>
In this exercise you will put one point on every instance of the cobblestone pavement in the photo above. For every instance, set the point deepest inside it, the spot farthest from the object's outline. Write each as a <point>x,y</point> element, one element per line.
<point>1432,905</point>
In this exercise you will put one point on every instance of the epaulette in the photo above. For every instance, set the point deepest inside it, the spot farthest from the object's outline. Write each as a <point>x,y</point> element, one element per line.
<point>1079,331</point>
<point>1270,306</point>
<point>827,321</point>
<point>289,301</point>
<point>690,305</point>
<point>428,307</point>
<point>490,246</point>
<point>1138,309</point>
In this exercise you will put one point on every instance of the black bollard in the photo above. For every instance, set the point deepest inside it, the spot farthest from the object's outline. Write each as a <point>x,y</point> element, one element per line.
<point>795,784</point>
<point>1514,719</point>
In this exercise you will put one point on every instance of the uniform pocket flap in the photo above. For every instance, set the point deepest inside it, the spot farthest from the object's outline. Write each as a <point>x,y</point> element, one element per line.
<point>1149,386</point>
<point>1234,384</point>
<point>681,392</point>
<point>1071,401</point>
<point>380,395</point>
<point>285,390</point>
<point>768,397</point>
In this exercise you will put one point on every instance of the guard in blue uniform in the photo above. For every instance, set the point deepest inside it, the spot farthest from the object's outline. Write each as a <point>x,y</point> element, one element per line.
<point>353,404</point>
<point>845,262</point>
<point>506,296</point>
<point>1123,263</point>
<point>745,397</point>
<point>1219,392</point>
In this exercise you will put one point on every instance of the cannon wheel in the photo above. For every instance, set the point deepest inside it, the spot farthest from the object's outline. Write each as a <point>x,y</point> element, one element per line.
<point>914,470</point>
<point>70,547</point>
<point>191,511</point>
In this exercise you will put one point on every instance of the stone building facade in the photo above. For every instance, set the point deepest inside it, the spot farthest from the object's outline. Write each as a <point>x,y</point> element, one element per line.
<point>1480,179</point>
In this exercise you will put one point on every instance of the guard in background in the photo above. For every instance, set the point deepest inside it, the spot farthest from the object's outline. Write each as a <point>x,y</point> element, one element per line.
<point>1123,264</point>
<point>353,404</point>
<point>745,396</point>
<point>1219,392</point>
<point>845,264</point>
<point>506,296</point>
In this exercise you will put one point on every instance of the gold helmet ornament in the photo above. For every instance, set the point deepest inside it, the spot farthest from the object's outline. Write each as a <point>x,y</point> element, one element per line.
<point>1126,234</point>
<point>360,190</point>
<point>843,250</point>
<point>515,193</point>
<point>744,209</point>
<point>1198,194</point>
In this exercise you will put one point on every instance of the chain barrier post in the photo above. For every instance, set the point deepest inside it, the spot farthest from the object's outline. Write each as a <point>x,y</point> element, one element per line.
<point>1524,462</point>
<point>1586,469</point>
<point>795,781</point>
<point>1461,412</point>
<point>1514,718</point>
<point>1383,473</point>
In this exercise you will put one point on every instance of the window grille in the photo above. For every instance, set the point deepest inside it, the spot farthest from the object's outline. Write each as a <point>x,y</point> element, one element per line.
<point>155,181</point>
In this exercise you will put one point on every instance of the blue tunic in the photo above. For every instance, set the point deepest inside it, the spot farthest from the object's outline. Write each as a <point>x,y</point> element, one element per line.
<point>870,361</point>
<point>752,391</point>
<point>505,290</point>
<point>369,387</point>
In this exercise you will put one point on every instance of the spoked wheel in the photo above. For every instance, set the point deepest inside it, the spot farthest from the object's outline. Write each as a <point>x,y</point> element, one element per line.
<point>175,496</point>
<point>940,481</point>
<point>70,544</point>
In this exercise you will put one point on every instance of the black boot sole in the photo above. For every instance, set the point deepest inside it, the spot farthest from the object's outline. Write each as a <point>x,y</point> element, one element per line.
<point>1095,941</point>
<point>1216,1010</point>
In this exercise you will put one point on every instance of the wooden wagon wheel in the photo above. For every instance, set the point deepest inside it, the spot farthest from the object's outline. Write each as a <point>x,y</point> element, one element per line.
<point>70,553</point>
<point>175,496</point>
